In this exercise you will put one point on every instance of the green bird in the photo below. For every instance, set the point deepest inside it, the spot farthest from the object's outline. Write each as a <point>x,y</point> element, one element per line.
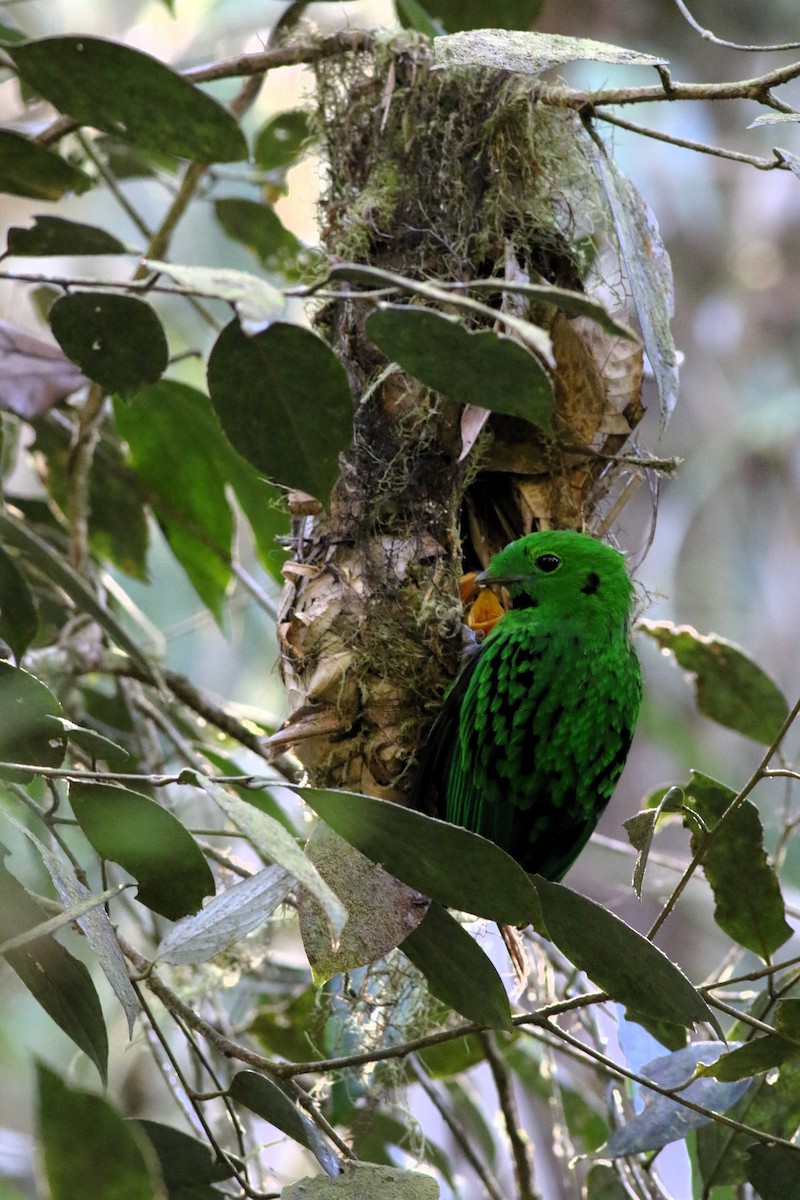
<point>535,730</point>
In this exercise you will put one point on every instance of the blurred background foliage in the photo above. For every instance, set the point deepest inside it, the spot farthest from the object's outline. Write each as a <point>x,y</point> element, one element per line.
<point>718,547</point>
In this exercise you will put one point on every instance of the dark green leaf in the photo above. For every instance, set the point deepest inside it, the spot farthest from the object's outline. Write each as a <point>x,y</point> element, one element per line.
<point>457,970</point>
<point>184,1160</point>
<point>617,958</point>
<point>10,33</point>
<point>730,688</point>
<point>29,169</point>
<point>452,1058</point>
<point>747,895</point>
<point>259,228</point>
<point>753,1058</point>
<point>148,842</point>
<point>227,918</point>
<point>18,618</point>
<point>773,1107</point>
<point>16,533</point>
<point>284,402</point>
<point>177,448</point>
<point>30,730</point>
<point>60,983</point>
<point>664,1120</point>
<point>774,1171</point>
<point>481,368</point>
<point>127,93</point>
<point>530,53</point>
<point>286,1028</point>
<point>458,868</point>
<point>56,235</point>
<point>603,1183</point>
<point>269,1101</point>
<point>118,341</point>
<point>281,142</point>
<point>95,744</point>
<point>667,1032</point>
<point>83,1138</point>
<point>649,274</point>
<point>475,14</point>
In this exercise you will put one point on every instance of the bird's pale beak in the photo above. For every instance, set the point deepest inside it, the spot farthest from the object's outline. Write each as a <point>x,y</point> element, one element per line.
<point>486,579</point>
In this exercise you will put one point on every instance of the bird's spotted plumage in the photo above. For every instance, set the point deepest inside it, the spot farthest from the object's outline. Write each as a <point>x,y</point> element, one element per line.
<point>535,731</point>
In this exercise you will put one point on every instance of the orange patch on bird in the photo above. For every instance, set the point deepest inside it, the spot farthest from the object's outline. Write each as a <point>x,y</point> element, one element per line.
<point>485,613</point>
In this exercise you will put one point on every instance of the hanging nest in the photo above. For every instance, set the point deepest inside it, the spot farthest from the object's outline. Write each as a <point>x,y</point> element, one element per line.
<point>455,174</point>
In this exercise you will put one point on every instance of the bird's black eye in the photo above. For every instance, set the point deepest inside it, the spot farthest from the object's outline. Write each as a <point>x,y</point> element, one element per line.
<point>548,563</point>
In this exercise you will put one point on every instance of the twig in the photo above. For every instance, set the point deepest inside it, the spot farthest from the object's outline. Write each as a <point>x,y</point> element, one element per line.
<point>79,468</point>
<point>762,164</point>
<point>521,1148</point>
<point>459,1135</point>
<point>712,37</point>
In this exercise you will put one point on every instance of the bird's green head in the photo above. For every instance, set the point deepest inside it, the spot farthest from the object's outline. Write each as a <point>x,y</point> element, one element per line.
<point>569,573</point>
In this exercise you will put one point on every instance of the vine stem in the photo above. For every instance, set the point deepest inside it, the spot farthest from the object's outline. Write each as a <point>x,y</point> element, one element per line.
<point>521,1147</point>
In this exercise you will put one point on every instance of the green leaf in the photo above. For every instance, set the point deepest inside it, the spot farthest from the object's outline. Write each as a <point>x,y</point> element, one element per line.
<point>649,275</point>
<point>282,141</point>
<point>255,300</point>
<point>226,919</point>
<point>19,620</point>
<point>381,910</point>
<point>185,1161</point>
<point>664,1120</point>
<point>29,169</point>
<point>84,1138</point>
<point>603,1183</point>
<point>618,959</point>
<point>753,1058</point>
<point>56,235</point>
<point>365,1181</point>
<point>641,828</point>
<point>269,1101</point>
<point>774,1171</point>
<point>412,15</point>
<point>15,532</point>
<point>459,869</point>
<point>480,368</point>
<point>531,53</point>
<point>283,1028</point>
<point>774,1108</point>
<point>731,689</point>
<point>60,983</point>
<point>747,895</point>
<point>148,842</point>
<point>284,402</point>
<point>118,341</point>
<point>95,744</point>
<point>457,970</point>
<point>259,228</point>
<point>177,448</point>
<point>573,304</point>
<point>29,730</point>
<point>452,1058</point>
<point>128,93</point>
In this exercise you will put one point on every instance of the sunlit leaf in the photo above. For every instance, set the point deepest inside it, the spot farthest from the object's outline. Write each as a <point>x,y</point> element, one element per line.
<point>459,869</point>
<point>480,368</point>
<point>457,971</point>
<point>530,53</point>
<point>281,142</point>
<point>255,300</point>
<point>730,687</point>
<point>28,168</point>
<point>57,235</point>
<point>118,341</point>
<point>747,895</point>
<point>148,842</point>
<point>618,959</point>
<point>84,1138</point>
<point>269,1101</point>
<point>226,919</point>
<point>664,1120</point>
<point>59,982</point>
<point>125,92</point>
<point>284,402</point>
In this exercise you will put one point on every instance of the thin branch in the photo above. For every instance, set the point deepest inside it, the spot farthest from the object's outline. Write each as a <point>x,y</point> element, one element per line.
<point>521,1147</point>
<point>712,37</point>
<point>459,1135</point>
<point>762,164</point>
<point>79,468</point>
